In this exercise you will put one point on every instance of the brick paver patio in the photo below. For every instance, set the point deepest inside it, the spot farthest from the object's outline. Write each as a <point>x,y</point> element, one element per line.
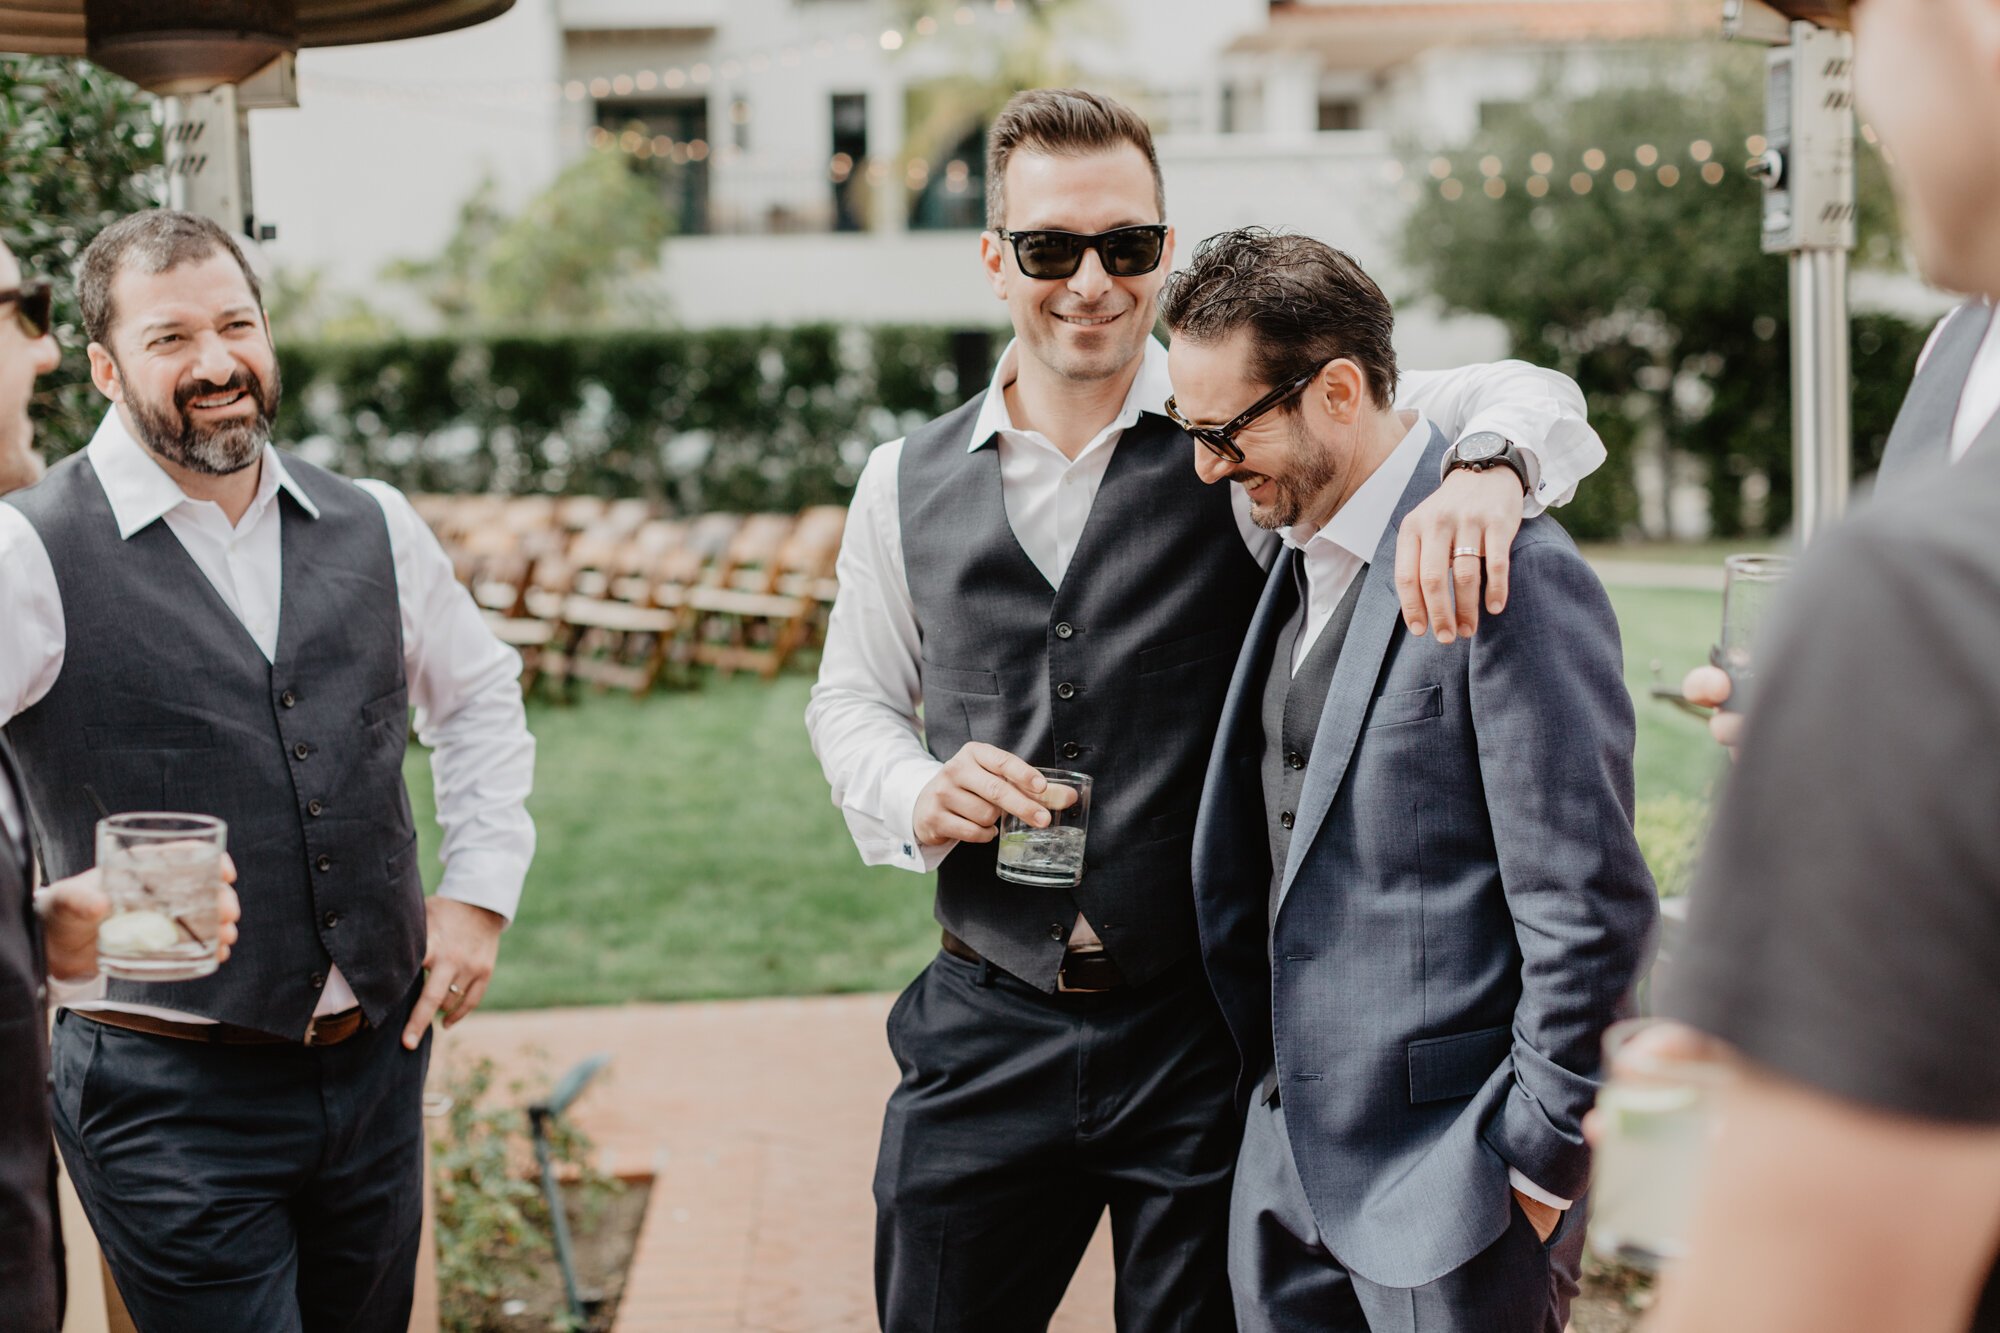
<point>759,1120</point>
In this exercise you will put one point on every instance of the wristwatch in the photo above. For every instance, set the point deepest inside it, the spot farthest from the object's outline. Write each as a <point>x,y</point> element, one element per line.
<point>1486,449</point>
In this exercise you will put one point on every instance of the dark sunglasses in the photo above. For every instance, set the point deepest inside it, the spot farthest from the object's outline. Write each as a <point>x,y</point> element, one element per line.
<point>1125,252</point>
<point>1221,440</point>
<point>34,306</point>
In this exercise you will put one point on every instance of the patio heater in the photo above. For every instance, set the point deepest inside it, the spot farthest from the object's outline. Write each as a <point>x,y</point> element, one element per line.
<point>1807,168</point>
<point>211,62</point>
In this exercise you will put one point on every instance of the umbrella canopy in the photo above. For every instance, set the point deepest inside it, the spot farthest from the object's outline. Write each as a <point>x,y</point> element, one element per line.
<point>194,45</point>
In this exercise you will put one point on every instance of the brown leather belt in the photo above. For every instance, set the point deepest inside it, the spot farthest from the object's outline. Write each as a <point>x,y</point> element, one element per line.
<point>1083,971</point>
<point>328,1030</point>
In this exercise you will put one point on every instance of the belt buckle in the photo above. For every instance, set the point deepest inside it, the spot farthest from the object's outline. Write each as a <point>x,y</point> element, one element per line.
<point>1062,984</point>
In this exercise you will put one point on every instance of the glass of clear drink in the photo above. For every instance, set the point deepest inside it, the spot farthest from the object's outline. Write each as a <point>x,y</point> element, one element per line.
<point>160,872</point>
<point>1750,584</point>
<point>1657,1115</point>
<point>1051,856</point>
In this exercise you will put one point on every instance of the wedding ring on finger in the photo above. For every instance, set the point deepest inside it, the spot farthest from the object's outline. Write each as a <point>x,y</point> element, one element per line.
<point>1472,551</point>
<point>455,989</point>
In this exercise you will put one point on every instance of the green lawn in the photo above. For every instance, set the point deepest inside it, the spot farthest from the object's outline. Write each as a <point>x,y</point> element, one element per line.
<point>688,848</point>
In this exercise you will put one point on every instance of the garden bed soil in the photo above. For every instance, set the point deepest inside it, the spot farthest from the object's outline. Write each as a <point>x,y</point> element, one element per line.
<point>603,1238</point>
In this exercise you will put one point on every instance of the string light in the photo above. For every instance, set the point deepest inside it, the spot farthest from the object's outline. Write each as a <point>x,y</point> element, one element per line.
<point>1593,159</point>
<point>1440,168</point>
<point>1647,155</point>
<point>1701,150</point>
<point>1625,179</point>
<point>1670,175</point>
<point>1451,189</point>
<point>1537,186</point>
<point>1713,173</point>
<point>1542,164</point>
<point>1494,187</point>
<point>1580,182</point>
<point>1489,166</point>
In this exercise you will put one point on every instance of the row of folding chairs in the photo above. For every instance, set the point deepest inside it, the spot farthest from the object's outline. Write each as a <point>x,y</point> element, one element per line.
<point>614,594</point>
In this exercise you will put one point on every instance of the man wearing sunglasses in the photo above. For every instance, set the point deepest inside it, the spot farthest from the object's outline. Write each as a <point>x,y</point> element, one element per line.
<point>1038,578</point>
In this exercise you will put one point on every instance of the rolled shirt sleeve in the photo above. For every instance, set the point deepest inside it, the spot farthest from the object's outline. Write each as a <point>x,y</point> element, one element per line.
<point>865,714</point>
<point>465,687</point>
<point>1541,411</point>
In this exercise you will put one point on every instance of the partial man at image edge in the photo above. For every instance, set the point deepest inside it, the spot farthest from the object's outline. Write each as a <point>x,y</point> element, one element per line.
<point>1038,578</point>
<point>1844,929</point>
<point>1420,895</point>
<point>207,625</point>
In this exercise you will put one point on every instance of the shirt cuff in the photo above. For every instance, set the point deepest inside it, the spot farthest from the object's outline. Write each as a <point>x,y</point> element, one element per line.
<point>1536,1192</point>
<point>487,879</point>
<point>900,788</point>
<point>80,990</point>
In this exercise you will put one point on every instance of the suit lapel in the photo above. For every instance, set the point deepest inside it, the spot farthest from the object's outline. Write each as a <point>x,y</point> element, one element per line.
<point>1377,616</point>
<point>1242,705</point>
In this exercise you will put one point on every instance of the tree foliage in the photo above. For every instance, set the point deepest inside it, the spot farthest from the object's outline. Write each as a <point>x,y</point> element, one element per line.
<point>566,261</point>
<point>78,150</point>
<point>1657,297</point>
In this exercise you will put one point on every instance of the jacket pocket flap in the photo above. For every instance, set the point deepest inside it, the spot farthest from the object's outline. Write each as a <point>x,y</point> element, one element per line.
<point>182,736</point>
<point>1407,706</point>
<point>1456,1066</point>
<point>958,681</point>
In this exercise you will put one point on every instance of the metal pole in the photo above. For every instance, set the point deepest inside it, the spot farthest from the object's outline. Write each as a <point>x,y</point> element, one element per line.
<point>1822,432</point>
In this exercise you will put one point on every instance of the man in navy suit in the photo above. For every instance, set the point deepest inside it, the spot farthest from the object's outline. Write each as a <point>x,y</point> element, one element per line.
<point>1420,897</point>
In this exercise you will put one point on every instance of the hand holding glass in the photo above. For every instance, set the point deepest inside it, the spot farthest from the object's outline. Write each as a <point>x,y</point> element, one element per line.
<point>1654,1119</point>
<point>1750,584</point>
<point>1051,856</point>
<point>161,873</point>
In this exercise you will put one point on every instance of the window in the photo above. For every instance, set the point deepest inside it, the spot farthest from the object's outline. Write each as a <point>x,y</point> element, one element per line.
<point>676,150</point>
<point>848,167</point>
<point>1339,113</point>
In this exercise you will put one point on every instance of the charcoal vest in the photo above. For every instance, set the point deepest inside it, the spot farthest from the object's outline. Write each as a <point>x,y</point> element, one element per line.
<point>1119,673</point>
<point>164,702</point>
<point>1293,702</point>
<point>30,1258</point>
<point>1921,437</point>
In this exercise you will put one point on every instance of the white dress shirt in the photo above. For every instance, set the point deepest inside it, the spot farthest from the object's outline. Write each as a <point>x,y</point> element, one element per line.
<point>463,682</point>
<point>1335,555</point>
<point>864,716</point>
<point>1980,398</point>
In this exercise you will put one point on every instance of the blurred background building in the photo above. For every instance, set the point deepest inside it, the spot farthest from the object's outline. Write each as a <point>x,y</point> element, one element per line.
<point>823,159</point>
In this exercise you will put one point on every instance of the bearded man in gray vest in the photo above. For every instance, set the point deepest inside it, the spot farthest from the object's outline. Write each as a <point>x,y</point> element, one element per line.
<point>199,623</point>
<point>47,936</point>
<point>1041,574</point>
<point>1420,897</point>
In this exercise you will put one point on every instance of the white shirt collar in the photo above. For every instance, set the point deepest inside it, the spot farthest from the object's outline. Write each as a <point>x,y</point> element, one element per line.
<point>140,491</point>
<point>1148,393</point>
<point>1357,527</point>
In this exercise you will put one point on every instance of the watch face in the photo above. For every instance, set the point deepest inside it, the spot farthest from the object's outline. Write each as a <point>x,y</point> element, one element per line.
<point>1479,448</point>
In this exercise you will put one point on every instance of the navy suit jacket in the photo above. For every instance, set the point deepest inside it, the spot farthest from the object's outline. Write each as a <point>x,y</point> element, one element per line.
<point>1464,908</point>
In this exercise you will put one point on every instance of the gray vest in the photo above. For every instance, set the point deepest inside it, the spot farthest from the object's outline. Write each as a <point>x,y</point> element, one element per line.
<point>1293,702</point>
<point>1921,437</point>
<point>1119,673</point>
<point>165,703</point>
<point>30,1258</point>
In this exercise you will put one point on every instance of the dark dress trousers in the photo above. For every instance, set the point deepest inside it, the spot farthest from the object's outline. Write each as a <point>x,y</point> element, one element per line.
<point>1420,958</point>
<point>243,1187</point>
<point>30,1250</point>
<point>1024,1113</point>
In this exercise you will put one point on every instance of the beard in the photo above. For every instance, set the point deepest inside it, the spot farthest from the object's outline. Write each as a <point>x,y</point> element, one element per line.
<point>216,449</point>
<point>1308,473</point>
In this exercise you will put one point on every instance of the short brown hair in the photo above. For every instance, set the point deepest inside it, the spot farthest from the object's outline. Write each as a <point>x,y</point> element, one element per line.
<point>1304,302</point>
<point>1063,122</point>
<point>154,241</point>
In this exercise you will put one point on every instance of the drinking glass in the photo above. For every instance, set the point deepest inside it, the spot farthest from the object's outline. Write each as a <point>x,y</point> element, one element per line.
<point>1051,856</point>
<point>1750,584</point>
<point>160,872</point>
<point>1657,1114</point>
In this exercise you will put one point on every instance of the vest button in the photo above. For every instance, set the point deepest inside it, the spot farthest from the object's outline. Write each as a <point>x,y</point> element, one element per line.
<point>1285,819</point>
<point>325,862</point>
<point>1057,933</point>
<point>288,699</point>
<point>315,809</point>
<point>1071,749</point>
<point>317,981</point>
<point>1064,630</point>
<point>301,750</point>
<point>331,919</point>
<point>1295,759</point>
<point>1065,691</point>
